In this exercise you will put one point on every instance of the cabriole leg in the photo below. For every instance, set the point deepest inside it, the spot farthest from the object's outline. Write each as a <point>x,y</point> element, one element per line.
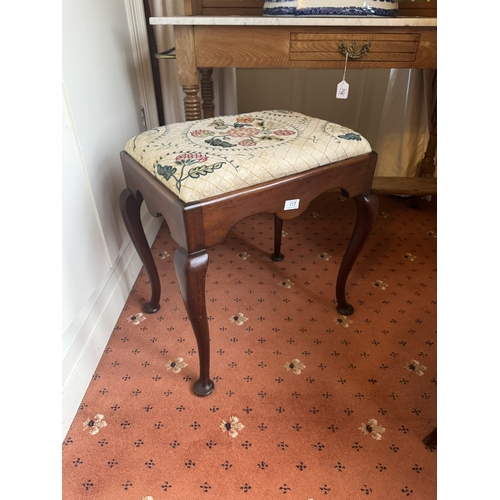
<point>367,208</point>
<point>278,230</point>
<point>191,272</point>
<point>130,208</point>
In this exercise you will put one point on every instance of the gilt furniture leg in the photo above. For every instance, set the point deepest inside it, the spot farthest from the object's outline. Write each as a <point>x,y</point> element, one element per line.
<point>278,230</point>
<point>130,208</point>
<point>367,208</point>
<point>191,272</point>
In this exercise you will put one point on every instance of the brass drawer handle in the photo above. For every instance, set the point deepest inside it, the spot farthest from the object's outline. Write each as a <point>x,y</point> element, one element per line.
<point>354,49</point>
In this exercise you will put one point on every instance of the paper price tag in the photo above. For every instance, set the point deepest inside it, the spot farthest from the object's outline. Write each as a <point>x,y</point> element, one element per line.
<point>292,204</point>
<point>342,90</point>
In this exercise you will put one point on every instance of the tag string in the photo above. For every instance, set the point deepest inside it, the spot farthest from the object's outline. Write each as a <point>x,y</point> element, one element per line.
<point>345,67</point>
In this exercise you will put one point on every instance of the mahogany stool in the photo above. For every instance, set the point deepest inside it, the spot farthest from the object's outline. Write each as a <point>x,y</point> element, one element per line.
<point>205,176</point>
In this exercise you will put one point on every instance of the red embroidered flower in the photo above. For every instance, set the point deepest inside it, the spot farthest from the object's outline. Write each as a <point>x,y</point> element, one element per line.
<point>191,157</point>
<point>245,119</point>
<point>247,142</point>
<point>201,133</point>
<point>243,132</point>
<point>284,132</point>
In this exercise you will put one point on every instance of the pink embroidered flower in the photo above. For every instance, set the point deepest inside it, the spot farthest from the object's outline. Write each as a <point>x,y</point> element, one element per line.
<point>201,133</point>
<point>191,157</point>
<point>245,119</point>
<point>247,142</point>
<point>243,132</point>
<point>284,132</point>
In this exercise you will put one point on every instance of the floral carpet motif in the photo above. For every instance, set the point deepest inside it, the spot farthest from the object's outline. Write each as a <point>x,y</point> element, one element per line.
<point>308,404</point>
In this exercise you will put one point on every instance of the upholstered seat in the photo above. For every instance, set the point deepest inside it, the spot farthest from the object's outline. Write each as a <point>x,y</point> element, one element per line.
<point>205,158</point>
<point>205,176</point>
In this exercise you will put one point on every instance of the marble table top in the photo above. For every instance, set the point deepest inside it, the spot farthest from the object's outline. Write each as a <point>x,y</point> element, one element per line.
<point>294,21</point>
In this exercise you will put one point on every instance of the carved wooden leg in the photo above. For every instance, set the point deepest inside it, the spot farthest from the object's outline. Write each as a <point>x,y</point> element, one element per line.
<point>431,440</point>
<point>188,72</point>
<point>207,92</point>
<point>191,272</point>
<point>130,207</point>
<point>192,102</point>
<point>367,208</point>
<point>278,229</point>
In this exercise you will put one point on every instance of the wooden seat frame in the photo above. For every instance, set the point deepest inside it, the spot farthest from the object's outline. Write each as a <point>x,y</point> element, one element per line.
<point>199,225</point>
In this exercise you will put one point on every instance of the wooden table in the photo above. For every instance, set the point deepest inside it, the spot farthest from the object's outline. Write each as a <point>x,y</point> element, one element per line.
<point>204,42</point>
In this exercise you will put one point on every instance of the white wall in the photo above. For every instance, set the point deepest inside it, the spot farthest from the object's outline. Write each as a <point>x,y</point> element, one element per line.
<point>101,110</point>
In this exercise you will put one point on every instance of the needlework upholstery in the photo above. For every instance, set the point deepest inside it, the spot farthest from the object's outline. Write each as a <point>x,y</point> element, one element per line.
<point>205,158</point>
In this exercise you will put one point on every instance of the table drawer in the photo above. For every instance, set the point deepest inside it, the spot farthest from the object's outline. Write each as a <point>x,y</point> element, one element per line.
<point>373,47</point>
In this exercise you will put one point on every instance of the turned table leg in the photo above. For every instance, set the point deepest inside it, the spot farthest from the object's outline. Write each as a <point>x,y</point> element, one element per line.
<point>367,208</point>
<point>191,272</point>
<point>207,92</point>
<point>188,72</point>
<point>192,103</point>
<point>130,208</point>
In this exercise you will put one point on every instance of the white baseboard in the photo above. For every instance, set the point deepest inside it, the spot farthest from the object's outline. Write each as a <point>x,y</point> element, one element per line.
<point>82,359</point>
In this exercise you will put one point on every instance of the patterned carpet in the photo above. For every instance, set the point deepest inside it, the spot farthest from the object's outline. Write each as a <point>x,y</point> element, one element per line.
<point>308,404</point>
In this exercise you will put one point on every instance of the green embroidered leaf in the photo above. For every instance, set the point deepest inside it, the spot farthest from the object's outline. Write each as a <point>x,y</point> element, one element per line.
<point>204,170</point>
<point>217,142</point>
<point>350,136</point>
<point>166,172</point>
<point>270,138</point>
<point>219,124</point>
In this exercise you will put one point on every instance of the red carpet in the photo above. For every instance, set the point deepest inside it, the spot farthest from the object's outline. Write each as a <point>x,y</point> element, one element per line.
<point>307,404</point>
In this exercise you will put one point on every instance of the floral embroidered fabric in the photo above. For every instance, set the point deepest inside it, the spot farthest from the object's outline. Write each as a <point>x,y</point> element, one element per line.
<point>205,158</point>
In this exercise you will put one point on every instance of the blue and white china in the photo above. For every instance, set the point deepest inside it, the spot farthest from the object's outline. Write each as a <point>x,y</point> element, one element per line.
<point>327,8</point>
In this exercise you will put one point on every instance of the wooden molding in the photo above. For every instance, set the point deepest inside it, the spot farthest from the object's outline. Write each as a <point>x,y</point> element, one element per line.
<point>140,46</point>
